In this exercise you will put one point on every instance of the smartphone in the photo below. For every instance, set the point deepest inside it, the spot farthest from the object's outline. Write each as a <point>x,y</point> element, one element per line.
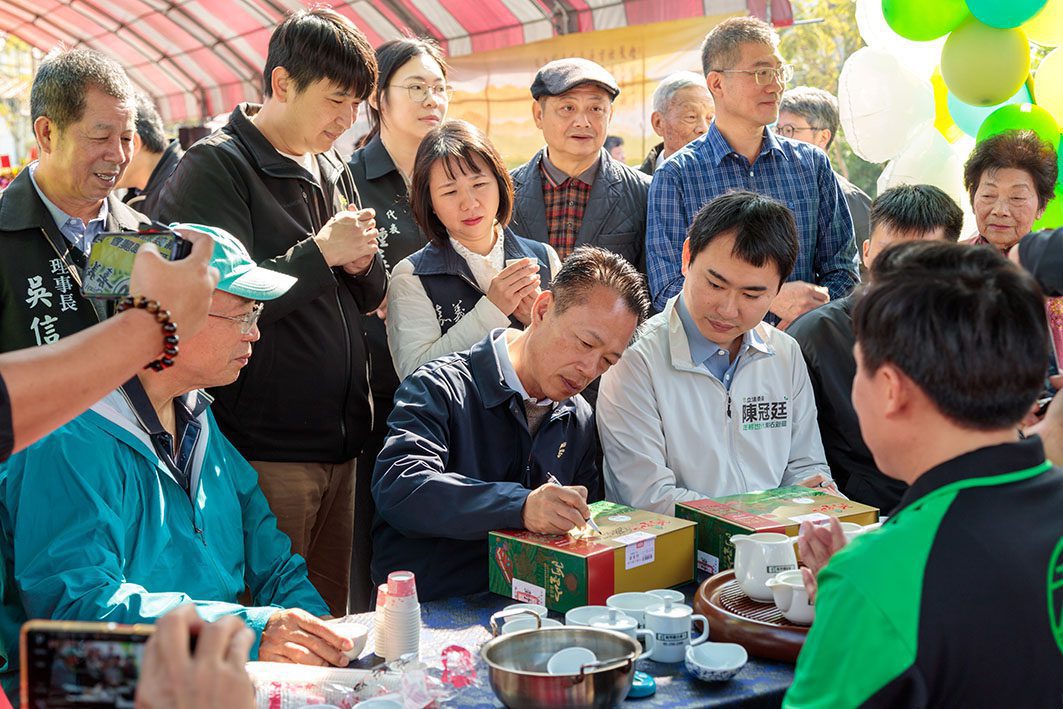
<point>74,664</point>
<point>110,262</point>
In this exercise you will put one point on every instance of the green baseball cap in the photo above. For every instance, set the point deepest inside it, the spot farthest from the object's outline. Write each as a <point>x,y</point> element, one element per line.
<point>240,275</point>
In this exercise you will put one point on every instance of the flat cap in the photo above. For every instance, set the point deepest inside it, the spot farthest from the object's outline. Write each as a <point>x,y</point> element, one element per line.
<point>561,75</point>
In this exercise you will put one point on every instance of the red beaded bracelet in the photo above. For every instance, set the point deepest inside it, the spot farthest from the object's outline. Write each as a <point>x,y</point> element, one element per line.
<point>169,329</point>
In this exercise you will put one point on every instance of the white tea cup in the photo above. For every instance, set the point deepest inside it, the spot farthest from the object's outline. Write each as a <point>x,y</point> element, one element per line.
<point>622,623</point>
<point>570,660</point>
<point>672,625</point>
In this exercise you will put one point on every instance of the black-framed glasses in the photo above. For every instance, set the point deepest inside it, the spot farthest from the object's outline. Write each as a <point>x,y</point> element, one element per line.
<point>765,75</point>
<point>787,130</point>
<point>419,93</point>
<point>247,321</point>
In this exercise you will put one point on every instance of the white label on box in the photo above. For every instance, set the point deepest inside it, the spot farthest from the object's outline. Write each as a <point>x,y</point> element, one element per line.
<point>708,563</point>
<point>528,592</point>
<point>638,549</point>
<point>811,517</point>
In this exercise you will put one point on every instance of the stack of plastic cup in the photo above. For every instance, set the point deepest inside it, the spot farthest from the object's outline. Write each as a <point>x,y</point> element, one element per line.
<point>400,632</point>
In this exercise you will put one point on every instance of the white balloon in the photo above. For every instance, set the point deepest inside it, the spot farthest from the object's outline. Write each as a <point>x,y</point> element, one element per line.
<point>928,160</point>
<point>920,57</point>
<point>882,104</point>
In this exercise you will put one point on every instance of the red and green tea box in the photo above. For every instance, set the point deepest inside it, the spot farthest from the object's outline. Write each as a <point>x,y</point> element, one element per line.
<point>781,509</point>
<point>637,551</point>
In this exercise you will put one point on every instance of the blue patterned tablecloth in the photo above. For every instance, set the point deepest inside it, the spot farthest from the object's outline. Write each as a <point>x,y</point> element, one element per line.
<point>464,621</point>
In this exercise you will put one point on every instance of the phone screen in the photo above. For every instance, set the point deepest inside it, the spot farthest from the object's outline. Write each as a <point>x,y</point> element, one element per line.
<point>81,664</point>
<point>110,262</point>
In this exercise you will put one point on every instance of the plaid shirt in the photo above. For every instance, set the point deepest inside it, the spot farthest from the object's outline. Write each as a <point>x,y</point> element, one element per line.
<point>565,203</point>
<point>797,174</point>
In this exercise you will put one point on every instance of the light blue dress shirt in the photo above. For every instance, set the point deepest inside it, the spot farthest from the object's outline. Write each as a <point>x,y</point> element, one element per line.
<point>711,356</point>
<point>73,229</point>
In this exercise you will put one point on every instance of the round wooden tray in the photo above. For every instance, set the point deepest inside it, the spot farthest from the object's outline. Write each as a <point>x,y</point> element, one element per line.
<point>735,618</point>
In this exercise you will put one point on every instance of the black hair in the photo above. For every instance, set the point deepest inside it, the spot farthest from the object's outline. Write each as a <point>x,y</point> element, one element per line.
<point>320,43</point>
<point>390,57</point>
<point>590,266</point>
<point>963,323</point>
<point>917,210</point>
<point>149,125</point>
<point>764,230</point>
<point>62,81</point>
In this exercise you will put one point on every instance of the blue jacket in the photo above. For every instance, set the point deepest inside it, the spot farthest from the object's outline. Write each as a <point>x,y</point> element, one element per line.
<point>459,462</point>
<point>93,527</point>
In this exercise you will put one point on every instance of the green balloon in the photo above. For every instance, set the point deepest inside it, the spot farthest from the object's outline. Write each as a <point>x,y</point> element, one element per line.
<point>998,13</point>
<point>1053,216</point>
<point>983,65</point>
<point>921,20</point>
<point>1021,116</point>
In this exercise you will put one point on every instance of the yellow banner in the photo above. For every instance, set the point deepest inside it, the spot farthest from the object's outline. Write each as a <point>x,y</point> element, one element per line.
<point>492,89</point>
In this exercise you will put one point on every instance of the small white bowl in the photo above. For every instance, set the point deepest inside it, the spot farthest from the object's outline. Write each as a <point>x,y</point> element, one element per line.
<point>634,603</point>
<point>527,623</point>
<point>570,660</point>
<point>715,662</point>
<point>581,615</point>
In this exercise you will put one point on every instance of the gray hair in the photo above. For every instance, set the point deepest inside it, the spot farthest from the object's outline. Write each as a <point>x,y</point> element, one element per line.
<point>722,45</point>
<point>816,106</point>
<point>149,125</point>
<point>62,81</point>
<point>673,84</point>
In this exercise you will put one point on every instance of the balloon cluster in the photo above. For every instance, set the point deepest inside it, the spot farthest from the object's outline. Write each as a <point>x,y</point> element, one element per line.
<point>938,76</point>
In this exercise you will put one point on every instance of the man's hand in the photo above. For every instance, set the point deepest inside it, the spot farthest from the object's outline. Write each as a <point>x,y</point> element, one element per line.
<point>795,299</point>
<point>349,240</point>
<point>298,637</point>
<point>382,309</point>
<point>819,481</point>
<point>1050,427</point>
<point>184,287</point>
<point>213,678</point>
<point>817,543</point>
<point>555,509</point>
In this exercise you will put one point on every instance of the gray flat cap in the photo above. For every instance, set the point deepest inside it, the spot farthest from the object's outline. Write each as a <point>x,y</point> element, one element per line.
<point>560,75</point>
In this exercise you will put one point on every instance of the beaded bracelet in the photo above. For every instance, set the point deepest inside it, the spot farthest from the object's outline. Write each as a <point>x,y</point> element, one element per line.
<point>169,329</point>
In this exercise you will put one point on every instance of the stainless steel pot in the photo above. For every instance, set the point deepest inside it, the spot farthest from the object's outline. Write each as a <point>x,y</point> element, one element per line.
<point>517,668</point>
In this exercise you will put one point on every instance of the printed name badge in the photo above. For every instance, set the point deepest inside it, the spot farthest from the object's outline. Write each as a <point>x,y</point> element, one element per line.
<point>638,549</point>
<point>528,592</point>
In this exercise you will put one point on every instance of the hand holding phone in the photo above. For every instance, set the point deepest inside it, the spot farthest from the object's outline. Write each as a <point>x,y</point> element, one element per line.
<point>111,257</point>
<point>184,287</point>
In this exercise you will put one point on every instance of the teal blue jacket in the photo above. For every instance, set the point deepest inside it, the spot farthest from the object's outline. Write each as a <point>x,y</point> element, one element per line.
<point>94,527</point>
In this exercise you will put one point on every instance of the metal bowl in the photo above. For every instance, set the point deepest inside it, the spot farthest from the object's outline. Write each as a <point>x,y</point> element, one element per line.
<point>517,668</point>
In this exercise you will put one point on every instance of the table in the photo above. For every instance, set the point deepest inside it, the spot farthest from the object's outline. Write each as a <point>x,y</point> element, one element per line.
<point>464,621</point>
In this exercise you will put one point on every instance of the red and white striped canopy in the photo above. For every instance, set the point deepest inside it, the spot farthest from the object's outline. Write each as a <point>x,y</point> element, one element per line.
<point>198,58</point>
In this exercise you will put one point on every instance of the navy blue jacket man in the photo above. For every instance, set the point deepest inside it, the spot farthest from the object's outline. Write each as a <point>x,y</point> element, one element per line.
<point>475,436</point>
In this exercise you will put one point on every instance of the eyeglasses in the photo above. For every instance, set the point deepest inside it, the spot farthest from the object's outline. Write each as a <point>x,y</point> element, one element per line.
<point>247,321</point>
<point>419,93</point>
<point>765,75</point>
<point>787,130</point>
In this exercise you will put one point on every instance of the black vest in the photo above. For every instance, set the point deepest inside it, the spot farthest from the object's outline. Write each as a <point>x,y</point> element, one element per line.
<point>449,284</point>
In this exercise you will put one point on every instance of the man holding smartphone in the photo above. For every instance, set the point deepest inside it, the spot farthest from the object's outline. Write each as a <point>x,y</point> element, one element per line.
<point>301,410</point>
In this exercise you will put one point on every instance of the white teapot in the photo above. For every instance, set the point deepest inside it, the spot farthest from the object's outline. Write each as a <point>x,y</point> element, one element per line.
<point>760,556</point>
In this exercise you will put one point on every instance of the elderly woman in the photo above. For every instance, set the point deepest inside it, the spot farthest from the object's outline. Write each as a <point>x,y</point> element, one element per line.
<point>474,275</point>
<point>1010,178</point>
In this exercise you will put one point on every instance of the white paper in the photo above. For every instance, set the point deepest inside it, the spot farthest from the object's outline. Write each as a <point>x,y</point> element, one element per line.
<point>708,563</point>
<point>639,548</point>
<point>528,592</point>
<point>811,517</point>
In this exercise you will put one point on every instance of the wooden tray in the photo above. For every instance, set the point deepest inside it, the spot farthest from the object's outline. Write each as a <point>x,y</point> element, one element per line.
<point>735,618</point>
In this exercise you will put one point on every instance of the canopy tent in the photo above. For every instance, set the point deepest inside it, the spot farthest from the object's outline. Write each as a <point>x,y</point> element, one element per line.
<point>198,58</point>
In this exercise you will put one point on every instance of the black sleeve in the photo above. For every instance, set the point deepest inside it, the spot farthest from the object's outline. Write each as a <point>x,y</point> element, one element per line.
<point>7,432</point>
<point>1042,255</point>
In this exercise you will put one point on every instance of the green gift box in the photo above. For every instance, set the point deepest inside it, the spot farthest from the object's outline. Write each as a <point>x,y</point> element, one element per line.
<point>638,551</point>
<point>781,509</point>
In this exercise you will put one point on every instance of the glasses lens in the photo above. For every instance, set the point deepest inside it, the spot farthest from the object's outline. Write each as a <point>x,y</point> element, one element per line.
<point>251,319</point>
<point>418,93</point>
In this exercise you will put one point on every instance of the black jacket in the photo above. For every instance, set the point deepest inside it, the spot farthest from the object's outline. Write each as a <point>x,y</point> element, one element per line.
<point>147,199</point>
<point>826,338</point>
<point>650,163</point>
<point>32,248</point>
<point>1042,255</point>
<point>380,186</point>
<point>615,218</point>
<point>304,397</point>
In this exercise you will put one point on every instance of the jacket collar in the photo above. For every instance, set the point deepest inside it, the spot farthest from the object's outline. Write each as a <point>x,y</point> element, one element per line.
<point>488,380</point>
<point>21,208</point>
<point>443,260</point>
<point>759,339</point>
<point>978,467</point>
<point>377,159</point>
<point>266,156</point>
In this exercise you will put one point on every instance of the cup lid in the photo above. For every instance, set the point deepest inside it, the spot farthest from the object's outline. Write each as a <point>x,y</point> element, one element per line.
<point>613,619</point>
<point>667,609</point>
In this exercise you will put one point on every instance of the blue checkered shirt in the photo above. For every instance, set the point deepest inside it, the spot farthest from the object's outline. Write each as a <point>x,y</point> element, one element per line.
<point>797,174</point>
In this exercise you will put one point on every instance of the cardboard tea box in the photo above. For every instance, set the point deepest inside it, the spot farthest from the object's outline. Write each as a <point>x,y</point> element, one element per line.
<point>637,551</point>
<point>779,510</point>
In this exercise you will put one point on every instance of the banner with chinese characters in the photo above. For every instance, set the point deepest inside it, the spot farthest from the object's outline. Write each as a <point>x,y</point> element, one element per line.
<point>492,89</point>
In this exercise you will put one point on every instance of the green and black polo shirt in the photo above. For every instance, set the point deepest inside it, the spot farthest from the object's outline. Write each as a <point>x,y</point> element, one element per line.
<point>956,601</point>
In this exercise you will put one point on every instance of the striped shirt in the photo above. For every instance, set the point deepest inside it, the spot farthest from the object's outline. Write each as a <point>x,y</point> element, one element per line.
<point>797,174</point>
